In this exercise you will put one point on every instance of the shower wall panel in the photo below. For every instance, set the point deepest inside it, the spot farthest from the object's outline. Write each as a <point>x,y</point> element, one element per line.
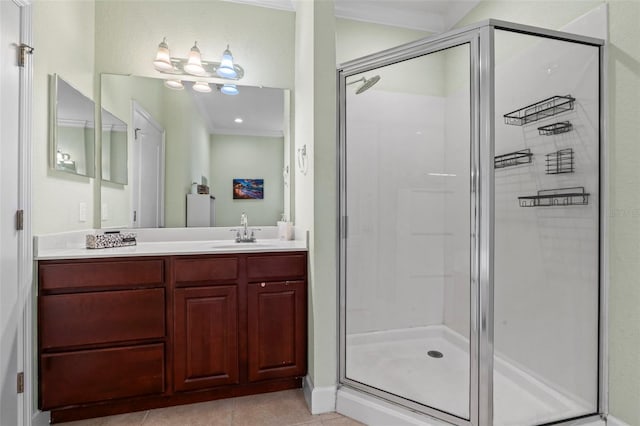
<point>546,258</point>
<point>396,138</point>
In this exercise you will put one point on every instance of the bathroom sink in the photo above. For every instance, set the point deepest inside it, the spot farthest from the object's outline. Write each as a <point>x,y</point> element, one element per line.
<point>244,245</point>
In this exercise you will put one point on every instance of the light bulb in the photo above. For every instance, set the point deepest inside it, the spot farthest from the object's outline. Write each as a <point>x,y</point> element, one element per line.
<point>202,86</point>
<point>229,89</point>
<point>174,84</point>
<point>226,70</point>
<point>163,57</point>
<point>194,62</point>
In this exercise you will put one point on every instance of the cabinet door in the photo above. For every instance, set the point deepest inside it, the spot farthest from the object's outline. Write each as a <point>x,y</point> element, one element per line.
<point>277,339</point>
<point>206,337</point>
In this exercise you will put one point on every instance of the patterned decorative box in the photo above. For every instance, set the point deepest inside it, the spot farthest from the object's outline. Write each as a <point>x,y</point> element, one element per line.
<point>110,239</point>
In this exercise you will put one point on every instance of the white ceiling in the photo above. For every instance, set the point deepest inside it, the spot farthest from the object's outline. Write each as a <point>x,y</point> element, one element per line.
<point>261,110</point>
<point>427,15</point>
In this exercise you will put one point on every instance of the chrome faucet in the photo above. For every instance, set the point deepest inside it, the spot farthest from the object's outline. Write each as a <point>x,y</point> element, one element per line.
<point>245,237</point>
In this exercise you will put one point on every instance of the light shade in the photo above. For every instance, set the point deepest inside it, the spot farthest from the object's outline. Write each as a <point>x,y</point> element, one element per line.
<point>163,57</point>
<point>226,70</point>
<point>174,84</point>
<point>202,86</point>
<point>194,62</point>
<point>230,89</point>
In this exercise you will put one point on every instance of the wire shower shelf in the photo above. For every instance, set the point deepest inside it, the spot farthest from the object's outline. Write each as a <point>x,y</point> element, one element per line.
<point>515,158</point>
<point>542,109</point>
<point>555,128</point>
<point>560,197</point>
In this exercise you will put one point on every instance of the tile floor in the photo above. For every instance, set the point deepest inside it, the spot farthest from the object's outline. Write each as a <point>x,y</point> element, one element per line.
<point>284,408</point>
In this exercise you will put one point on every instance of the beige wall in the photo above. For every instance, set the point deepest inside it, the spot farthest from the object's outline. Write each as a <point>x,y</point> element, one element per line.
<point>261,39</point>
<point>247,157</point>
<point>624,181</point>
<point>355,38</point>
<point>64,36</point>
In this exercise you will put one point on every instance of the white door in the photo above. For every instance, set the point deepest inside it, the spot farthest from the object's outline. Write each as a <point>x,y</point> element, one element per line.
<point>148,173</point>
<point>12,295</point>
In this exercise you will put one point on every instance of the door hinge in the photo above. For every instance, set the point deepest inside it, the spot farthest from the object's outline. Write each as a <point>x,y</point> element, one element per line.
<point>135,132</point>
<point>20,220</point>
<point>20,382</point>
<point>135,215</point>
<point>25,50</point>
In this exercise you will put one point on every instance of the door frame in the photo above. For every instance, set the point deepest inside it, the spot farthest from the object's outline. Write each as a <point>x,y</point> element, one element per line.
<point>135,192</point>
<point>28,413</point>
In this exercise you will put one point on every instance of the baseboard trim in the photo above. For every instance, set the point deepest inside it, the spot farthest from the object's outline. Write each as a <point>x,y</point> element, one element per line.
<point>612,421</point>
<point>319,399</point>
<point>41,418</point>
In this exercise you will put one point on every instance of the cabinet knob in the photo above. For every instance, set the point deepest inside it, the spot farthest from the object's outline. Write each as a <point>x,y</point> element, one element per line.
<point>286,283</point>
<point>263,284</point>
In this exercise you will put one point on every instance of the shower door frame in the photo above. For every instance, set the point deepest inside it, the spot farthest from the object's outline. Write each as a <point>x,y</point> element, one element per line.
<point>480,38</point>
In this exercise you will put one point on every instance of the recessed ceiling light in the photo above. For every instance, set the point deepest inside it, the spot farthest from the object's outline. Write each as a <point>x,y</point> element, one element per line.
<point>238,120</point>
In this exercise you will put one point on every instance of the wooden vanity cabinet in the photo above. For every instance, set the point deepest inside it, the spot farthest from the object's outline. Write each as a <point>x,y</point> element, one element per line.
<point>206,322</point>
<point>121,335</point>
<point>277,316</point>
<point>102,331</point>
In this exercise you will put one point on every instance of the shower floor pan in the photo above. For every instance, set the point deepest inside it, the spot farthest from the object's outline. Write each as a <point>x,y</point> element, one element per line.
<point>396,361</point>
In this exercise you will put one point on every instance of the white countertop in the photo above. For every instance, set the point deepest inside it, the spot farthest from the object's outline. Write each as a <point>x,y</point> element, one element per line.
<point>158,243</point>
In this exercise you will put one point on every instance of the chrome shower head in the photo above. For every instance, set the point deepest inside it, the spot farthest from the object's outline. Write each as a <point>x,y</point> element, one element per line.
<point>367,83</point>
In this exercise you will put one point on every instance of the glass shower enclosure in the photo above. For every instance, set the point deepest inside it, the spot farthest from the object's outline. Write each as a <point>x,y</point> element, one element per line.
<point>470,226</point>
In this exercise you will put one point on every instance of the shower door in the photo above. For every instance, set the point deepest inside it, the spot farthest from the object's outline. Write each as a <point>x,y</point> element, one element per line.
<point>407,206</point>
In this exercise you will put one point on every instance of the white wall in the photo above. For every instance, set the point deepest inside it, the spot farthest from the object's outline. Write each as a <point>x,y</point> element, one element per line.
<point>250,157</point>
<point>396,210</point>
<point>64,35</point>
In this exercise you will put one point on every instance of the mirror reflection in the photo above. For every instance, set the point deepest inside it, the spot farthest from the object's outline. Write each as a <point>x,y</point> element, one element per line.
<point>188,148</point>
<point>114,148</point>
<point>72,141</point>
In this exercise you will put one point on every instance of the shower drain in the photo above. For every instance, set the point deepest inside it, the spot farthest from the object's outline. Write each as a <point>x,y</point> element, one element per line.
<point>435,354</point>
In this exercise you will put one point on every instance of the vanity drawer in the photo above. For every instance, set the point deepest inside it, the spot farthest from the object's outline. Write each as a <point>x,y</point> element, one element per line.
<point>101,317</point>
<point>101,375</point>
<point>87,275</point>
<point>276,266</point>
<point>206,270</point>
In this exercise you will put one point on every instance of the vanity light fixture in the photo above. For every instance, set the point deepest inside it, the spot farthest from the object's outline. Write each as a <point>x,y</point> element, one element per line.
<point>163,57</point>
<point>195,65</point>
<point>229,89</point>
<point>174,84</point>
<point>202,87</point>
<point>226,69</point>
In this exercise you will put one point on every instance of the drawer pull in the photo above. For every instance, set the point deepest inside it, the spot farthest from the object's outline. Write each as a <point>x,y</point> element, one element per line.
<point>263,284</point>
<point>286,283</point>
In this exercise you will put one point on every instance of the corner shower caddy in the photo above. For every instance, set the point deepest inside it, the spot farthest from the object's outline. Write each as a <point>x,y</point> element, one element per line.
<point>575,196</point>
<point>539,110</point>
<point>511,159</point>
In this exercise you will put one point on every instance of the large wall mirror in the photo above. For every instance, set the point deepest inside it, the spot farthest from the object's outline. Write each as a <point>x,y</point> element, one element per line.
<point>114,148</point>
<point>182,139</point>
<point>72,129</point>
